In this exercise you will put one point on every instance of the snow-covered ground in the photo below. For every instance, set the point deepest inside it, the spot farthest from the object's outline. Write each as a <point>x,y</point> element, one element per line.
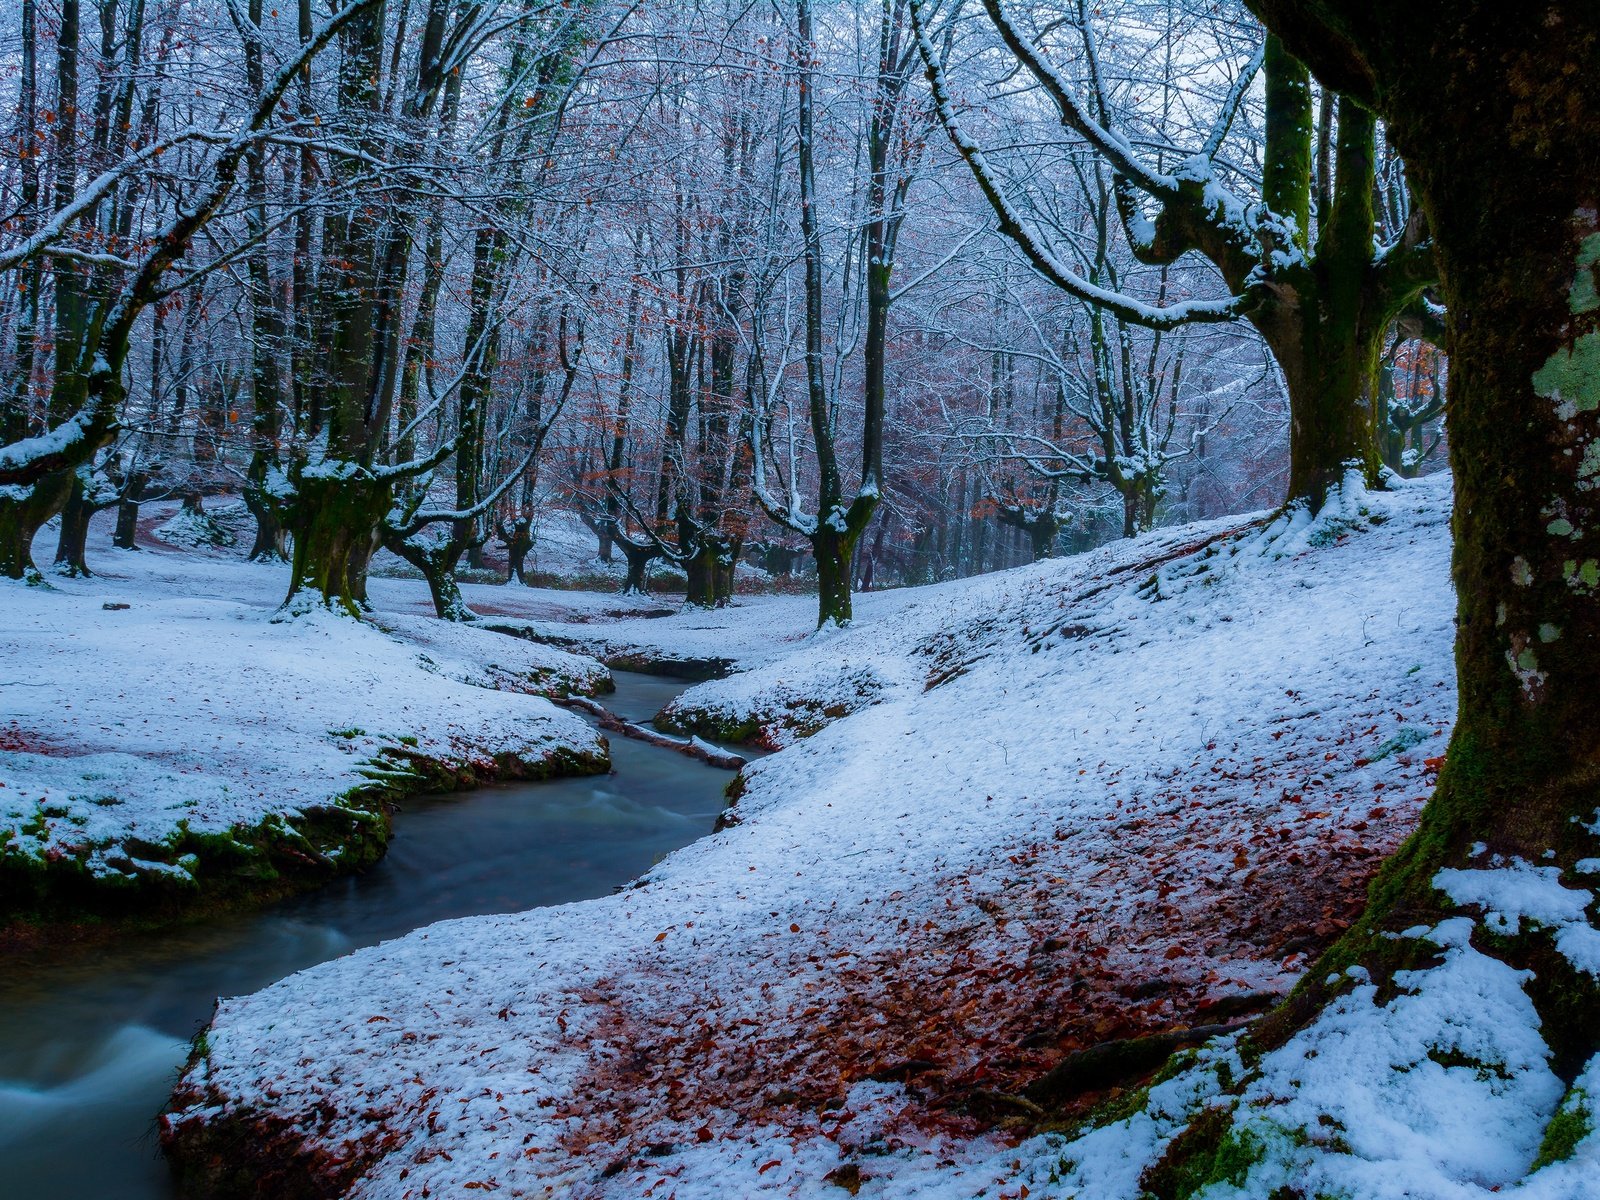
<point>163,702</point>
<point>657,634</point>
<point>159,715</point>
<point>1131,792</point>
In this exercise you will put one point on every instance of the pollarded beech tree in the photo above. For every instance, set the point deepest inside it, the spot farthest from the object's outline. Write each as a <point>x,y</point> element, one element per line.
<point>891,150</point>
<point>398,162</point>
<point>1322,293</point>
<point>1496,108</point>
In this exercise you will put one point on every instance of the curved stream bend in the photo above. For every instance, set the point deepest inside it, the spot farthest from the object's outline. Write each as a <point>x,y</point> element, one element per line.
<point>90,1047</point>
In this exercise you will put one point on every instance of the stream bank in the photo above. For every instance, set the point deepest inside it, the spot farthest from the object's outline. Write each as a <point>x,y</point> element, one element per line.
<point>90,1047</point>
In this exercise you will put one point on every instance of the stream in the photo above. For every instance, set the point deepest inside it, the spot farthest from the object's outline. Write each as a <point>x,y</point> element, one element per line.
<point>90,1046</point>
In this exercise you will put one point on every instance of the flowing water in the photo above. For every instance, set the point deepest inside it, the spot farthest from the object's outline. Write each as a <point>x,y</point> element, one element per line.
<point>90,1046</point>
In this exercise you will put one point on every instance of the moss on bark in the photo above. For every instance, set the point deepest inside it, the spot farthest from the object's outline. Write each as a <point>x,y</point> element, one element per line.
<point>335,520</point>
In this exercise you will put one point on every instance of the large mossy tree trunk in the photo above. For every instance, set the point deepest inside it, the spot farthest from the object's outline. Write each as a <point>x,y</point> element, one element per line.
<point>23,512</point>
<point>701,568</point>
<point>1327,315</point>
<point>335,524</point>
<point>1332,427</point>
<point>337,499</point>
<point>1497,110</point>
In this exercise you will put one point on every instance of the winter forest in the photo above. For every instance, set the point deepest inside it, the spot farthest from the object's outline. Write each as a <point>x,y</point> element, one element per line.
<point>698,598</point>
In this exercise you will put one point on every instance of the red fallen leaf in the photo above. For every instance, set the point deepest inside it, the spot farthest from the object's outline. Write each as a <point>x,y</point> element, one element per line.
<point>1434,764</point>
<point>767,1166</point>
<point>703,1134</point>
<point>662,936</point>
<point>794,929</point>
<point>370,1020</point>
<point>1173,952</point>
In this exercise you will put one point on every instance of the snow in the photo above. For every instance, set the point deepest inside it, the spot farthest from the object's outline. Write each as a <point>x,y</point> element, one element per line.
<point>1446,1090</point>
<point>1518,891</point>
<point>215,528</point>
<point>162,698</point>
<point>1515,892</point>
<point>1080,801</point>
<point>623,630</point>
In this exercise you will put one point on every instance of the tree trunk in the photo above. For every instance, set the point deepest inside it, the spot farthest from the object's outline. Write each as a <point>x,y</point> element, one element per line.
<point>1329,336</point>
<point>518,538</point>
<point>271,542</point>
<point>779,561</point>
<point>75,515</point>
<point>335,525</point>
<point>1042,533</point>
<point>126,536</point>
<point>1328,366</point>
<point>448,604</point>
<point>726,583</point>
<point>835,554</point>
<point>1512,198</point>
<point>437,561</point>
<point>979,547</point>
<point>23,511</point>
<point>639,559</point>
<point>1497,110</point>
<point>701,568</point>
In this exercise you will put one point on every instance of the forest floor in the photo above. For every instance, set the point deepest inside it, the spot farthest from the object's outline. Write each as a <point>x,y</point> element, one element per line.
<point>1020,823</point>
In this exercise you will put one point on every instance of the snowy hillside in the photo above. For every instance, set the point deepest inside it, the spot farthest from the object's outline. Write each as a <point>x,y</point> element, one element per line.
<point>1064,810</point>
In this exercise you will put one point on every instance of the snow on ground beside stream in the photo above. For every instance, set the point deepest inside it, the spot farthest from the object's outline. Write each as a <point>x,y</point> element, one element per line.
<point>752,631</point>
<point>161,697</point>
<point>1128,792</point>
<point>192,709</point>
